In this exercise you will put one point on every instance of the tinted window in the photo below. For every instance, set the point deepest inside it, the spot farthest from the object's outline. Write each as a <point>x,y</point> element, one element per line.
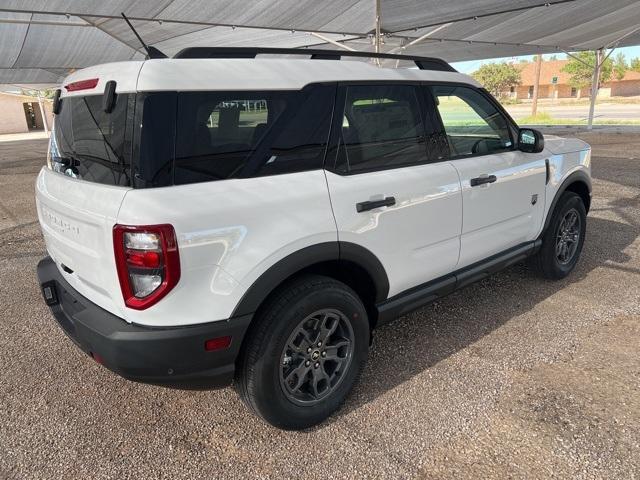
<point>473,125</point>
<point>224,135</point>
<point>166,138</point>
<point>381,127</point>
<point>90,144</point>
<point>154,139</point>
<point>298,142</point>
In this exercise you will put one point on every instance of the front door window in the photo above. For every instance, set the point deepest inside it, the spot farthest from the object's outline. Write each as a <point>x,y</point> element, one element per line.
<point>473,125</point>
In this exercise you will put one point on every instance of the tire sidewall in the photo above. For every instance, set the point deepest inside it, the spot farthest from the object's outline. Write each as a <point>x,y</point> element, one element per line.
<point>272,402</point>
<point>568,201</point>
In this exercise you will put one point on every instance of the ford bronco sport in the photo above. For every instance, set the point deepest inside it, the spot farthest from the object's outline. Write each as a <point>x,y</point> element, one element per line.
<point>218,218</point>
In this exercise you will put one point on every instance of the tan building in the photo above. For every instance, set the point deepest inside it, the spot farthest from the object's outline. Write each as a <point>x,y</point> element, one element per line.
<point>554,83</point>
<point>629,86</point>
<point>21,113</point>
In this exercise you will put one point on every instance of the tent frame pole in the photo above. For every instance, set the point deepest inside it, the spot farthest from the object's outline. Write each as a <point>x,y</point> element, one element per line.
<point>615,43</point>
<point>43,114</point>
<point>378,33</point>
<point>332,42</point>
<point>595,85</point>
<point>576,58</point>
<point>420,39</point>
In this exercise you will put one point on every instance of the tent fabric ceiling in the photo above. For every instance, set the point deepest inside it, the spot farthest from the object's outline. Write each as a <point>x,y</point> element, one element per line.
<point>42,40</point>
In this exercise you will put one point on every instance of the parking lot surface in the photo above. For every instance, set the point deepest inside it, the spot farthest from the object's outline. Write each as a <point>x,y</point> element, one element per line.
<point>512,377</point>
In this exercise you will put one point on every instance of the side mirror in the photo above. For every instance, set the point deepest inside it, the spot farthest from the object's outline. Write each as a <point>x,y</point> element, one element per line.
<point>530,140</point>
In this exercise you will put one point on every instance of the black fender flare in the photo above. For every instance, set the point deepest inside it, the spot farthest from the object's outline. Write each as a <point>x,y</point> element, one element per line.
<point>307,257</point>
<point>577,176</point>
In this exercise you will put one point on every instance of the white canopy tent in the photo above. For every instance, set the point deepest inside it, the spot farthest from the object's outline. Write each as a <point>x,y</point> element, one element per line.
<point>42,40</point>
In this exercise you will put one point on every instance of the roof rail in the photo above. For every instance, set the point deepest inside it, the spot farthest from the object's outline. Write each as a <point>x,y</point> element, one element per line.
<point>423,63</point>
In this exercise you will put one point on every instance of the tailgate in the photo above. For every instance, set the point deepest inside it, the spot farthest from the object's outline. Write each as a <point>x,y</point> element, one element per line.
<point>77,218</point>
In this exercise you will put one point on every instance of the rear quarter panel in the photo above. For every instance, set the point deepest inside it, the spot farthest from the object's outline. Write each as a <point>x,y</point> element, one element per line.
<point>229,232</point>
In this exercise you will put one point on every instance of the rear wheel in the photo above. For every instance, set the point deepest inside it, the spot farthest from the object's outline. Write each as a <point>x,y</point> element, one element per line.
<point>563,239</point>
<point>305,353</point>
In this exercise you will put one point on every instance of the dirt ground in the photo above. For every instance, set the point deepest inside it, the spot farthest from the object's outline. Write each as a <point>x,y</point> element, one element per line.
<point>513,377</point>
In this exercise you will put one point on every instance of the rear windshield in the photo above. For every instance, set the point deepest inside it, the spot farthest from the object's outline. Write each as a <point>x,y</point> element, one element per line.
<point>90,144</point>
<point>174,138</point>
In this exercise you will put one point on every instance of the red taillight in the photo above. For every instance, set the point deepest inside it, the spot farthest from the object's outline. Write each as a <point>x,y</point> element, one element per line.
<point>147,261</point>
<point>82,85</point>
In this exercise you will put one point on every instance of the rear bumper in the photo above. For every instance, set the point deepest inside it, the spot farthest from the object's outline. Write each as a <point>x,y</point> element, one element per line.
<point>165,356</point>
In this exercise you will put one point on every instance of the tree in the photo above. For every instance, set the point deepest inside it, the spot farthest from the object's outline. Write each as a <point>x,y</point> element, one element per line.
<point>34,93</point>
<point>497,77</point>
<point>620,66</point>
<point>581,69</point>
<point>635,65</point>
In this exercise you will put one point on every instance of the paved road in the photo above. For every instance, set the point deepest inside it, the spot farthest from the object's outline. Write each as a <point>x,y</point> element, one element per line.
<point>579,112</point>
<point>513,377</point>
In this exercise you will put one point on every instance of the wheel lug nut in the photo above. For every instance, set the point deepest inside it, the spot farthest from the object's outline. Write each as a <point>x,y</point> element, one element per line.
<point>324,354</point>
<point>317,364</point>
<point>309,350</point>
<point>307,363</point>
<point>319,344</point>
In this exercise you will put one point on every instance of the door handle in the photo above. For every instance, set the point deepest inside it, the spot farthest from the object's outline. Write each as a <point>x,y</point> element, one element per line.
<point>370,205</point>
<point>482,180</point>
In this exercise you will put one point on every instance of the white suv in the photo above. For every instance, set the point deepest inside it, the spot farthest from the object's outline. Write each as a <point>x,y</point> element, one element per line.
<point>216,217</point>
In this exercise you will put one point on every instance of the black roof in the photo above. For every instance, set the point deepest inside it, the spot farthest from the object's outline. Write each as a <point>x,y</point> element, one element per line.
<point>423,63</point>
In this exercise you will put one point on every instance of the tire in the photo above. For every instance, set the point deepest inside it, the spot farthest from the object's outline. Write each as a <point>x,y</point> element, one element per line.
<point>277,356</point>
<point>548,262</point>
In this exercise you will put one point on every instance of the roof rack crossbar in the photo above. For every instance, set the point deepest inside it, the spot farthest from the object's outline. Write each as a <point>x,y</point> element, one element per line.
<point>423,63</point>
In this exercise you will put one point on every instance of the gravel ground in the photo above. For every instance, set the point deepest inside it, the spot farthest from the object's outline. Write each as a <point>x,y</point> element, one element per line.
<point>511,377</point>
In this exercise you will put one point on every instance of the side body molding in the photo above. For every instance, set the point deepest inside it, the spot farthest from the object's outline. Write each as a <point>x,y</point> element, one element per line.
<point>424,294</point>
<point>305,258</point>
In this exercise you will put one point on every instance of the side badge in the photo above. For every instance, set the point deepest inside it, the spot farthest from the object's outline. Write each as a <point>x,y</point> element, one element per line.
<point>534,199</point>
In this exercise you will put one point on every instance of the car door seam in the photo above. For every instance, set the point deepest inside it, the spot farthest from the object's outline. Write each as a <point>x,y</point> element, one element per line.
<point>461,212</point>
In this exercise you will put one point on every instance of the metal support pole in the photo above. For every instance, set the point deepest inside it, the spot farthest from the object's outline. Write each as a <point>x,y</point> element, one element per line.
<point>536,86</point>
<point>575,57</point>
<point>420,39</point>
<point>332,42</point>
<point>378,32</point>
<point>595,85</point>
<point>43,114</point>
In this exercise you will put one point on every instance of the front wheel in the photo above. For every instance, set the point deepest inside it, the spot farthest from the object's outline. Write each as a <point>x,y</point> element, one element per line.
<point>563,239</point>
<point>305,352</point>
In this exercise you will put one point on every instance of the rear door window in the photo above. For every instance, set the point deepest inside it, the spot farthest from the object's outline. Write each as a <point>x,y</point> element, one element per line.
<point>382,128</point>
<point>221,135</point>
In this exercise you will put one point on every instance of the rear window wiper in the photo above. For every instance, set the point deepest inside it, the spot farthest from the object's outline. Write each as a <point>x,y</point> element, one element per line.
<point>116,166</point>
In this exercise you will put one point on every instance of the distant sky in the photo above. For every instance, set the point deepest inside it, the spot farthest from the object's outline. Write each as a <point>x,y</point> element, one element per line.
<point>472,66</point>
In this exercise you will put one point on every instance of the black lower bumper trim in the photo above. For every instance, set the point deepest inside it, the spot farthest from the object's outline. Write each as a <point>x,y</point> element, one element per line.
<point>166,356</point>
